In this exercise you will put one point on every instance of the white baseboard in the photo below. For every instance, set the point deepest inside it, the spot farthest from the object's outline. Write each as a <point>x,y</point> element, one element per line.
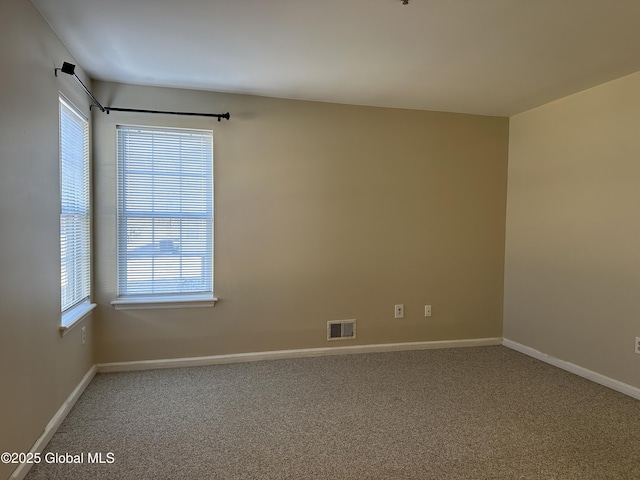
<point>299,353</point>
<point>573,368</point>
<point>22,470</point>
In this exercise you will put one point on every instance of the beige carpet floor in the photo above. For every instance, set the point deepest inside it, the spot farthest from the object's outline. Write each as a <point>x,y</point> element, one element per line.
<point>471,413</point>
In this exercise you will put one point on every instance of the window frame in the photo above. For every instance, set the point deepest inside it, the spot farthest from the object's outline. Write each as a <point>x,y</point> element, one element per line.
<point>169,299</point>
<point>81,305</point>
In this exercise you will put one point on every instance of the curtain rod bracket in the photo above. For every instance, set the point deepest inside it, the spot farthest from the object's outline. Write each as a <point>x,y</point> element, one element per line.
<point>70,69</point>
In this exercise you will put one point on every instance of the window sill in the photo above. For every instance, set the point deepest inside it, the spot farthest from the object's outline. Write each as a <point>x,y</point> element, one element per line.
<point>169,301</point>
<point>72,317</point>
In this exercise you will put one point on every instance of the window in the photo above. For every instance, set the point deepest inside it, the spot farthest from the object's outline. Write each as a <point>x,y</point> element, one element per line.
<point>165,216</point>
<point>75,215</point>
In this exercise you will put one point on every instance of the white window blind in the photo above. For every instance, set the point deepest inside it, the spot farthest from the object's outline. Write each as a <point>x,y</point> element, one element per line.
<point>75,214</point>
<point>165,212</point>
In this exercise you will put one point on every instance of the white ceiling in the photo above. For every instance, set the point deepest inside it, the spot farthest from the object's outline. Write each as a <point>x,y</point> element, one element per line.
<point>492,57</point>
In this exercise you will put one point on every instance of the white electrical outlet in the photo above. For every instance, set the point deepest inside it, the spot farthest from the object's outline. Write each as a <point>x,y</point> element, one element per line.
<point>638,345</point>
<point>427,310</point>
<point>84,335</point>
<point>399,310</point>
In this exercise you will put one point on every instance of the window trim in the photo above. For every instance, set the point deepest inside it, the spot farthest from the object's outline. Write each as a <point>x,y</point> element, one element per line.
<point>168,300</point>
<point>81,308</point>
<point>165,301</point>
<point>74,315</point>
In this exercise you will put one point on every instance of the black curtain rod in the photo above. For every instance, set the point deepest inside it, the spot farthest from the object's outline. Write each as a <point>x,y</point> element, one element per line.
<point>219,116</point>
<point>70,68</point>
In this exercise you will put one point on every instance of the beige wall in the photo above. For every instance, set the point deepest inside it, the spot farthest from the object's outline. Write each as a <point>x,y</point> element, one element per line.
<point>39,368</point>
<point>323,212</point>
<point>572,272</point>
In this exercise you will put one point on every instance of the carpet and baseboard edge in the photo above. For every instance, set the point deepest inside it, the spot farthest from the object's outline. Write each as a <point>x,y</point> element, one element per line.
<point>575,369</point>
<point>21,471</point>
<point>298,353</point>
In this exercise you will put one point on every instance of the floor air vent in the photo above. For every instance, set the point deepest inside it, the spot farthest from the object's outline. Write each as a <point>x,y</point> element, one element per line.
<point>341,329</point>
